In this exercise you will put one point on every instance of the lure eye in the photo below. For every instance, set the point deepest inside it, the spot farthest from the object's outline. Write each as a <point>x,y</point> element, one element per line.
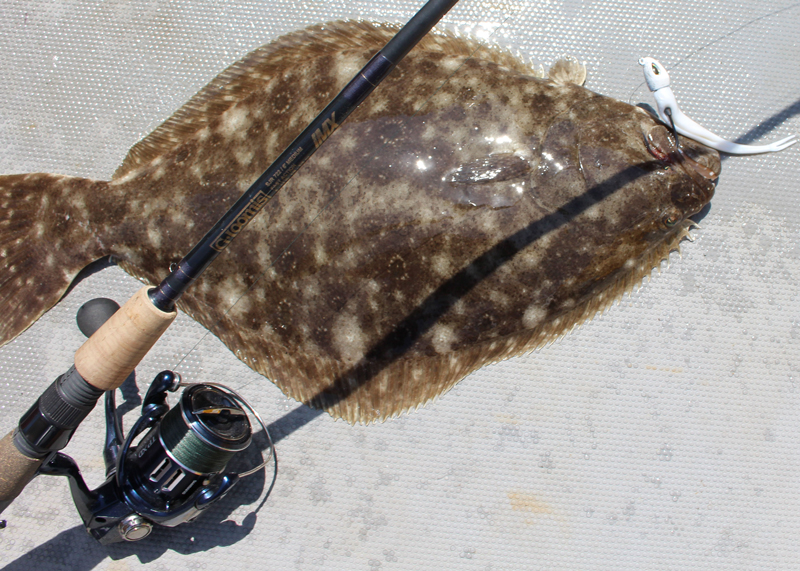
<point>655,69</point>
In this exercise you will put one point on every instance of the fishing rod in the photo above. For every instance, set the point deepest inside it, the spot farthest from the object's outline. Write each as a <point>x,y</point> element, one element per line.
<point>113,351</point>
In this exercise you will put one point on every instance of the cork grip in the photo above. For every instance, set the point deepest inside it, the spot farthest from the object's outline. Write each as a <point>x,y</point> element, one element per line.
<point>109,356</point>
<point>17,470</point>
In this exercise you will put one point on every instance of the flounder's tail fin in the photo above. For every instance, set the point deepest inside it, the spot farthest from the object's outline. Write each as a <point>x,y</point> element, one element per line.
<point>45,240</point>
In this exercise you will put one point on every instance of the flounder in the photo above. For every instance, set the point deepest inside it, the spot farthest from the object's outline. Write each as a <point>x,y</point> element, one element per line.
<point>470,210</point>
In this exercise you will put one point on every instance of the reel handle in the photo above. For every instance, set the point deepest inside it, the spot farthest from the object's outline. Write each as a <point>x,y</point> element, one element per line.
<point>102,363</point>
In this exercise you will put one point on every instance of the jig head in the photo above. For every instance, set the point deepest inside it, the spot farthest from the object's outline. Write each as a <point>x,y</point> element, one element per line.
<point>657,80</point>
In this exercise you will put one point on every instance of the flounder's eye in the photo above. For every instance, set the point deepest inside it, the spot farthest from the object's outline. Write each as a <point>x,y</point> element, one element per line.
<point>655,69</point>
<point>671,218</point>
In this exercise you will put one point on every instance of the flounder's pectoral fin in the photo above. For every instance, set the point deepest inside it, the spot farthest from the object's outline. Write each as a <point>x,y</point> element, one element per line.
<point>44,243</point>
<point>492,168</point>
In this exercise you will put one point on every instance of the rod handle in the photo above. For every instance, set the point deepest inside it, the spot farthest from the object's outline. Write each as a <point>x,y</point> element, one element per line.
<point>17,470</point>
<point>107,358</point>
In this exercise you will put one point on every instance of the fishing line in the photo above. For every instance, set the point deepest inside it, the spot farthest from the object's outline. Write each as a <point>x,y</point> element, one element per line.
<point>719,39</point>
<point>338,193</point>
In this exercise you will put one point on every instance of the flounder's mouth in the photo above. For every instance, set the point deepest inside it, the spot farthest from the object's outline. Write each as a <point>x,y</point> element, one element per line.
<point>699,162</point>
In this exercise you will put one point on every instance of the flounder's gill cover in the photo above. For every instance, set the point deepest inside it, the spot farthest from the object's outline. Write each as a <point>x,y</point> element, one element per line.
<point>469,211</point>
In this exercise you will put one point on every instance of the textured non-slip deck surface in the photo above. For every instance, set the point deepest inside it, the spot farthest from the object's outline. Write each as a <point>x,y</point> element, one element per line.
<point>662,435</point>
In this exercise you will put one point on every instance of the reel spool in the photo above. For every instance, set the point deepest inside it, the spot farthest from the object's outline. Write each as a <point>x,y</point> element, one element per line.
<point>176,469</point>
<point>195,438</point>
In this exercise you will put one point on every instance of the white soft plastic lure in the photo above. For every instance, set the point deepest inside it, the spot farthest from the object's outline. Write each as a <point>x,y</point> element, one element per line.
<point>657,80</point>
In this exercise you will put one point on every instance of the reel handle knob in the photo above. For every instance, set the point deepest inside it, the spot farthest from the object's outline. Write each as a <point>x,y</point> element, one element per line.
<point>94,313</point>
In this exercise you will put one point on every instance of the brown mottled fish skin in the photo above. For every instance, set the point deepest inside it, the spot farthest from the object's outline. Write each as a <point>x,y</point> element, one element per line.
<point>492,211</point>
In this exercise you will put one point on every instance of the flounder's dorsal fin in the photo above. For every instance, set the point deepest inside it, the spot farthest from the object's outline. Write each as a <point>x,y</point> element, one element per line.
<point>294,49</point>
<point>567,70</point>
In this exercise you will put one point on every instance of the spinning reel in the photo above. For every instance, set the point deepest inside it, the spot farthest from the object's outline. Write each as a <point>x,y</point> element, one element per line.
<point>176,469</point>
